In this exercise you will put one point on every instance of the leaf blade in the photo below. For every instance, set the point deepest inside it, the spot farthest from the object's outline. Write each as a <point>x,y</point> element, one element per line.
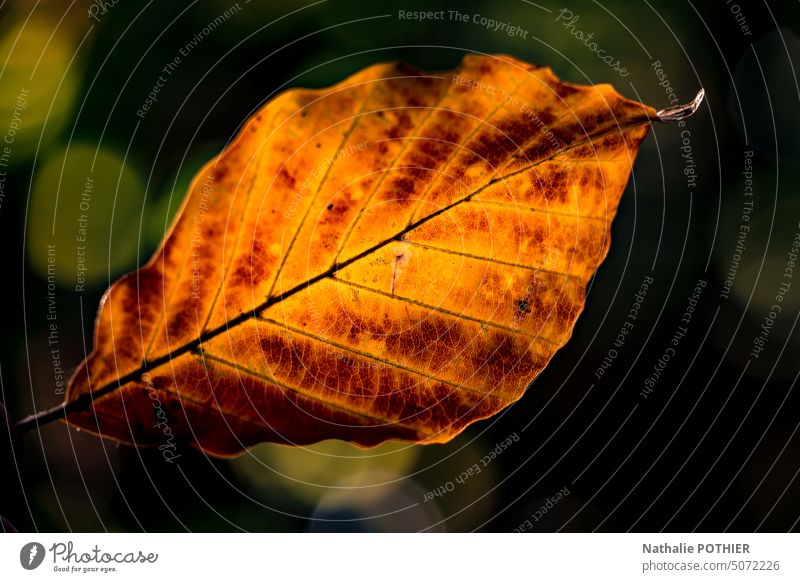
<point>324,242</point>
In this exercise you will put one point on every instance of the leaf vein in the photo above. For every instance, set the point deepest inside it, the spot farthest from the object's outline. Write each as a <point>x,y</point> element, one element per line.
<point>438,309</point>
<point>330,342</point>
<point>306,394</point>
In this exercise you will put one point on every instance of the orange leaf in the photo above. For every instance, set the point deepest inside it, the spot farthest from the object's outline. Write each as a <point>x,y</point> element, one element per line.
<point>396,256</point>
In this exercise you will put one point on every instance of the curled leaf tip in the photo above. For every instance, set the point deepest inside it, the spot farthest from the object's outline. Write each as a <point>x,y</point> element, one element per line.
<point>680,112</point>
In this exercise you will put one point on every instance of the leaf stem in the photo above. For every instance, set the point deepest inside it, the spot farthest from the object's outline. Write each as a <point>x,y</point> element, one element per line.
<point>61,411</point>
<point>42,417</point>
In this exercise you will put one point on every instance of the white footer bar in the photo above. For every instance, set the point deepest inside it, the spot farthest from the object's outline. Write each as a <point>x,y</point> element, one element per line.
<point>401,557</point>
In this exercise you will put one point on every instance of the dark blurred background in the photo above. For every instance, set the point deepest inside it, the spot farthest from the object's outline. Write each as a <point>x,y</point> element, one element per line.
<point>713,446</point>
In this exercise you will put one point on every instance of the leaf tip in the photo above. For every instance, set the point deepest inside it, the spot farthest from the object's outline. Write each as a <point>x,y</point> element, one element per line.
<point>680,112</point>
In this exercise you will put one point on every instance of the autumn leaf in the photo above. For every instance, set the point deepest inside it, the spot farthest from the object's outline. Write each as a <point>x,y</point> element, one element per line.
<point>393,257</point>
